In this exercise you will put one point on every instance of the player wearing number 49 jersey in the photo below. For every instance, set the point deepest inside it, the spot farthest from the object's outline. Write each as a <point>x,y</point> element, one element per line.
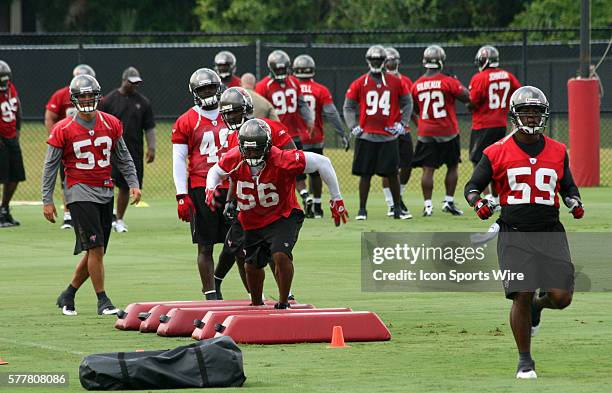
<point>84,143</point>
<point>529,170</point>
<point>200,137</point>
<point>265,192</point>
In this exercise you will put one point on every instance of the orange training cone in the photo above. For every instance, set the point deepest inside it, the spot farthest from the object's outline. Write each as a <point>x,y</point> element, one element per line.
<point>2,361</point>
<point>337,340</point>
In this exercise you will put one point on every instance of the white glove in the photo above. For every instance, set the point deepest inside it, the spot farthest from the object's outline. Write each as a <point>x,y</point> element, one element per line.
<point>396,129</point>
<point>357,131</point>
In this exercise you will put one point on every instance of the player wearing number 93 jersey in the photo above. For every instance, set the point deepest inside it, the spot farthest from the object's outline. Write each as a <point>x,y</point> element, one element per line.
<point>529,170</point>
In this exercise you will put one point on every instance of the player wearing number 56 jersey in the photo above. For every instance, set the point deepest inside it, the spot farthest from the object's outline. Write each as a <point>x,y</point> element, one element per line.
<point>377,109</point>
<point>490,92</point>
<point>434,95</point>
<point>529,170</point>
<point>269,212</point>
<point>84,144</point>
<point>11,161</point>
<point>200,137</point>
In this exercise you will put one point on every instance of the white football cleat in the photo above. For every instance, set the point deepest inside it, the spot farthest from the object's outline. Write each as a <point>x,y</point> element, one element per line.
<point>68,312</point>
<point>120,227</point>
<point>527,374</point>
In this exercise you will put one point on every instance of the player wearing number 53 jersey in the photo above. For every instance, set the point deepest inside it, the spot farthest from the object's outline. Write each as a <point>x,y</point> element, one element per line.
<point>84,144</point>
<point>377,109</point>
<point>438,132</point>
<point>200,137</point>
<point>269,212</point>
<point>529,170</point>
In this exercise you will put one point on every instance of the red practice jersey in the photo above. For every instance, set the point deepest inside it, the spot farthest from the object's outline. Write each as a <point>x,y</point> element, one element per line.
<point>206,142</point>
<point>284,98</point>
<point>60,103</point>
<point>435,97</point>
<point>233,82</point>
<point>490,92</point>
<point>280,135</point>
<point>379,102</point>
<point>87,153</point>
<point>9,106</point>
<point>316,96</point>
<point>521,179</point>
<point>269,196</point>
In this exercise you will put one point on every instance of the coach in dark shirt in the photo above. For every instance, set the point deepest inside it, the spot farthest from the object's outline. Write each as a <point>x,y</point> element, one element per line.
<point>134,111</point>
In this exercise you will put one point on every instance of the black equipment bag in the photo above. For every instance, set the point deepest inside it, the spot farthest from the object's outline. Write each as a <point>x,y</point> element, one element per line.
<point>208,363</point>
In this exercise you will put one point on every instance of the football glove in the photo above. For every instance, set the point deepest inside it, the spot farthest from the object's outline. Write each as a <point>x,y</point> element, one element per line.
<point>214,200</point>
<point>229,211</point>
<point>575,206</point>
<point>345,143</point>
<point>484,208</point>
<point>357,131</point>
<point>396,129</point>
<point>184,207</point>
<point>338,211</point>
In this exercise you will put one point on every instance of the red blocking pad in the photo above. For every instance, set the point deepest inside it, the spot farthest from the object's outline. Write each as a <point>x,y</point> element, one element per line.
<point>151,322</point>
<point>178,322</point>
<point>215,317</point>
<point>127,319</point>
<point>294,328</point>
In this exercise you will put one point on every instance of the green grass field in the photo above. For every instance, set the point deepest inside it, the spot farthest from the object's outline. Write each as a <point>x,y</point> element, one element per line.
<point>441,342</point>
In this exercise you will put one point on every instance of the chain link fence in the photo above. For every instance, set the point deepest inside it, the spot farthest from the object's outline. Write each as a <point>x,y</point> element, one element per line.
<point>42,63</point>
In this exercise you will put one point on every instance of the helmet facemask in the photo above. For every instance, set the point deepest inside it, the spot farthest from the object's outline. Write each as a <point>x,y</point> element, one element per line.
<point>234,118</point>
<point>224,70</point>
<point>206,96</point>
<point>529,118</point>
<point>254,154</point>
<point>4,80</point>
<point>86,102</point>
<point>279,72</point>
<point>392,65</point>
<point>376,64</point>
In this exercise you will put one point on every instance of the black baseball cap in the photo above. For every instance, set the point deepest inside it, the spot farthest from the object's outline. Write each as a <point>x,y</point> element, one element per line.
<point>132,75</point>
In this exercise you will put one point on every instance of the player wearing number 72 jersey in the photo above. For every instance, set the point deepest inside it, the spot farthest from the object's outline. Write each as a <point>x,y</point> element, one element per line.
<point>200,136</point>
<point>269,212</point>
<point>529,170</point>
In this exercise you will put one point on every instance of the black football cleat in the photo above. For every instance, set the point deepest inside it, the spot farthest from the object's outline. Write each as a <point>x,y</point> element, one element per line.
<point>105,307</point>
<point>282,306</point>
<point>66,303</point>
<point>449,207</point>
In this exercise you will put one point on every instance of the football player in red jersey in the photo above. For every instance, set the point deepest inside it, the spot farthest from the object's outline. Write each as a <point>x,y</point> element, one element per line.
<point>12,170</point>
<point>200,136</point>
<point>268,209</point>
<point>529,170</point>
<point>405,147</point>
<point>490,92</point>
<point>320,101</point>
<point>85,143</point>
<point>59,107</point>
<point>434,96</point>
<point>283,91</point>
<point>236,107</point>
<point>377,109</point>
<point>225,66</point>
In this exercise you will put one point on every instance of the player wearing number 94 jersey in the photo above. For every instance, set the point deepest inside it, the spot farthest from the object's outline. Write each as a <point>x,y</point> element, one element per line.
<point>529,170</point>
<point>200,137</point>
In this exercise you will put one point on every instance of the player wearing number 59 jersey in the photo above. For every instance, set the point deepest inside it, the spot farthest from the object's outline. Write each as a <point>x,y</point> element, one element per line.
<point>529,170</point>
<point>200,137</point>
<point>84,144</point>
<point>269,212</point>
<point>434,95</point>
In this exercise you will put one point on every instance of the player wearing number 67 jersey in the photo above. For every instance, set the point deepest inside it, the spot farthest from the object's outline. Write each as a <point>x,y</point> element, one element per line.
<point>84,144</point>
<point>269,212</point>
<point>434,95</point>
<point>490,92</point>
<point>377,109</point>
<point>529,170</point>
<point>200,136</point>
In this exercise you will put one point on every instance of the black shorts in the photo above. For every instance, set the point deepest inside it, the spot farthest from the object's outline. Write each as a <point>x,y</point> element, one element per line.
<point>317,150</point>
<point>234,241</point>
<point>279,236</point>
<point>118,178</point>
<point>298,145</point>
<point>375,158</point>
<point>11,161</point>
<point>543,257</point>
<point>406,151</point>
<point>436,154</point>
<point>483,138</point>
<point>92,224</point>
<point>207,227</point>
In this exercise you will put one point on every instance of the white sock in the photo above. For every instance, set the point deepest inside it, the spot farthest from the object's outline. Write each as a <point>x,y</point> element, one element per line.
<point>428,204</point>
<point>449,198</point>
<point>304,192</point>
<point>67,216</point>
<point>115,211</point>
<point>388,196</point>
<point>402,189</point>
<point>495,199</point>
<point>317,200</point>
